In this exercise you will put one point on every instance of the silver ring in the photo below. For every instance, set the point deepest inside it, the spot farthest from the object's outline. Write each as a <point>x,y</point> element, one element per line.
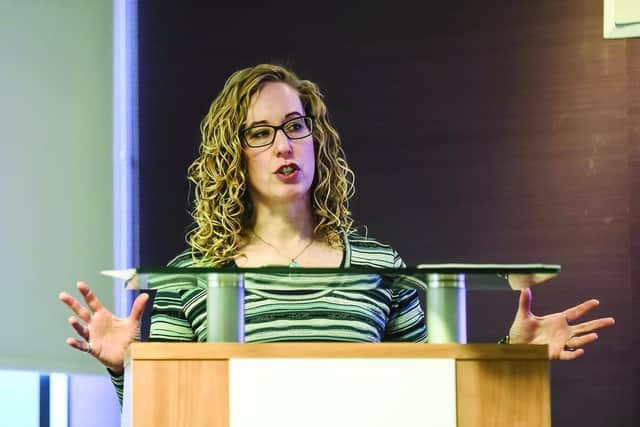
<point>567,347</point>
<point>89,347</point>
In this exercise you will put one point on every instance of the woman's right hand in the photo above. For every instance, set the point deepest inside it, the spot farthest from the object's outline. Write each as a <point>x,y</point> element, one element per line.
<point>104,335</point>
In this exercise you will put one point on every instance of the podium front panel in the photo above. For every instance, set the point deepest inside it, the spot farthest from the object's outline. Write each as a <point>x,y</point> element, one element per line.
<point>336,384</point>
<point>342,392</point>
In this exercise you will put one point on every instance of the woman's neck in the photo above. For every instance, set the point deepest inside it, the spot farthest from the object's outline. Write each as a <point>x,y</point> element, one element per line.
<point>283,235</point>
<point>283,224</point>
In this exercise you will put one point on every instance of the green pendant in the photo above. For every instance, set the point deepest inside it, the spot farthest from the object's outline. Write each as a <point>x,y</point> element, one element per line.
<point>294,264</point>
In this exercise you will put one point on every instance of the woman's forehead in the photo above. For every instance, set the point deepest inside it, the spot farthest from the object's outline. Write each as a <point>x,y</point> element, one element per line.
<point>272,102</point>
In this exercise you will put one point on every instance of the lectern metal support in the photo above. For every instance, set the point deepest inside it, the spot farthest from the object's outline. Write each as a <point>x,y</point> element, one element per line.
<point>225,307</point>
<point>446,313</point>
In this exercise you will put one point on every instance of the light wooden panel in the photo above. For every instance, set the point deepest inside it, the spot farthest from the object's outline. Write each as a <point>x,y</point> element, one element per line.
<point>182,394</point>
<point>188,383</point>
<point>503,393</point>
<point>222,351</point>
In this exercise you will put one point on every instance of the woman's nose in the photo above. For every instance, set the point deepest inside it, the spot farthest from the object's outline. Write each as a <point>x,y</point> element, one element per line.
<point>281,143</point>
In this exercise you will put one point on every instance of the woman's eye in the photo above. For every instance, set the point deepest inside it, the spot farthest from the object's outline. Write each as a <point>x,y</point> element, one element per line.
<point>297,125</point>
<point>259,133</point>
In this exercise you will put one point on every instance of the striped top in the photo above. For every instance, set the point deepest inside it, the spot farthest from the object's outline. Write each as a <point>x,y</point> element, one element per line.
<point>278,308</point>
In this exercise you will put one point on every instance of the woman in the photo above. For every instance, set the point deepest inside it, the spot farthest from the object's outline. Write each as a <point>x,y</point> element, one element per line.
<point>272,188</point>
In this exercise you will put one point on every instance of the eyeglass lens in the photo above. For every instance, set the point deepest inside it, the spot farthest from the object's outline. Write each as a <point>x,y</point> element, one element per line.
<point>299,127</point>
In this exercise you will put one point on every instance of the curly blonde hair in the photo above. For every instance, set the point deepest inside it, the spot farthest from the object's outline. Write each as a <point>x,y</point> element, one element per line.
<point>222,204</point>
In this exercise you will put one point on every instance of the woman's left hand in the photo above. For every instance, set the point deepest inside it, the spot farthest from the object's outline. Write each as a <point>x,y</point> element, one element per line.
<point>565,340</point>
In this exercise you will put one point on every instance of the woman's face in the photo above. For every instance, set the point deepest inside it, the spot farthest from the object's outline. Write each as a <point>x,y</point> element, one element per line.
<point>283,171</point>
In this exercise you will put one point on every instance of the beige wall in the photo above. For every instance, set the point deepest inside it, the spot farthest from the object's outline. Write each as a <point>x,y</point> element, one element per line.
<point>56,163</point>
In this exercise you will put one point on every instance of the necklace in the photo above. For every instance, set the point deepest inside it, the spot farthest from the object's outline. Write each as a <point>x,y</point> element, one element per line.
<point>293,263</point>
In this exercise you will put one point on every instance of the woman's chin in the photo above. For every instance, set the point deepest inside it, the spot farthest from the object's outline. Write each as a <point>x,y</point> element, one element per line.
<point>290,195</point>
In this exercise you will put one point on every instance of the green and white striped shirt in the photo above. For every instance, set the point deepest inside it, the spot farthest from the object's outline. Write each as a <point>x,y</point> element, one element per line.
<point>351,309</point>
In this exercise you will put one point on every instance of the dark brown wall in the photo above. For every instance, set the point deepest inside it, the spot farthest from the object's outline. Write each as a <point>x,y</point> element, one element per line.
<point>632,291</point>
<point>478,133</point>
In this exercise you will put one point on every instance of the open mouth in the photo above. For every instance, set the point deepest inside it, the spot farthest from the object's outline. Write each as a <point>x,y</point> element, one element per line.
<point>287,169</point>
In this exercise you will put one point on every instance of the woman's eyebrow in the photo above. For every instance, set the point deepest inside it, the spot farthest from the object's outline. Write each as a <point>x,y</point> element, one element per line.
<point>264,122</point>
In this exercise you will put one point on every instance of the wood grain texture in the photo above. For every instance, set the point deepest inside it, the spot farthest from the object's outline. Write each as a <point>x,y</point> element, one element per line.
<point>180,393</point>
<point>187,384</point>
<point>503,394</point>
<point>222,351</point>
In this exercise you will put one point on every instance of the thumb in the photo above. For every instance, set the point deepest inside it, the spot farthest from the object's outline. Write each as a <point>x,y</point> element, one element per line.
<point>524,304</point>
<point>138,306</point>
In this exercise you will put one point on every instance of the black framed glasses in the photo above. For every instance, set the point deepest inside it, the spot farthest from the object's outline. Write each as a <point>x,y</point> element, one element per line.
<point>263,135</point>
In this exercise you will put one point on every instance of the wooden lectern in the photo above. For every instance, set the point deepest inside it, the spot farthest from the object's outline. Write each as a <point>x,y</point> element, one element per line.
<point>336,384</point>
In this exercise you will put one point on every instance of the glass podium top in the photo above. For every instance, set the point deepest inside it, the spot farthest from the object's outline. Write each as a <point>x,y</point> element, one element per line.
<point>423,276</point>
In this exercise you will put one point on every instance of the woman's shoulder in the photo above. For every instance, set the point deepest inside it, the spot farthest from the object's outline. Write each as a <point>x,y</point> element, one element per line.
<point>190,258</point>
<point>176,285</point>
<point>365,240</point>
<point>184,259</point>
<point>365,250</point>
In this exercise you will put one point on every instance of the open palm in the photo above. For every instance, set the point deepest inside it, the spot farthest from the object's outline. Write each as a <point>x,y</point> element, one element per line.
<point>565,340</point>
<point>105,335</point>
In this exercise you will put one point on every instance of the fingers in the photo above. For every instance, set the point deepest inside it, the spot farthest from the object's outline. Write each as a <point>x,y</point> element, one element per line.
<point>581,341</point>
<point>82,330</point>
<point>571,355</point>
<point>580,310</point>
<point>524,303</point>
<point>138,306</point>
<point>592,325</point>
<point>92,301</point>
<point>78,345</point>
<point>75,306</point>
<point>572,349</point>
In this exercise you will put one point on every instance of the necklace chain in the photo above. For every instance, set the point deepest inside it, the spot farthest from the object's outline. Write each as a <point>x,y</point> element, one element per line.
<point>293,262</point>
